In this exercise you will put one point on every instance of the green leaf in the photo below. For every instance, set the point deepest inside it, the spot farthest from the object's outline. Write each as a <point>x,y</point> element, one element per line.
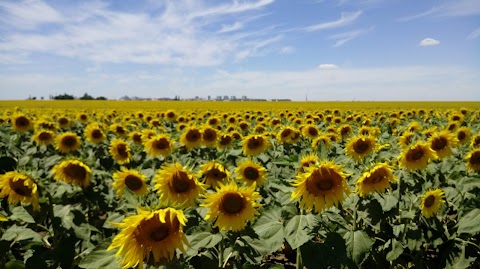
<point>470,223</point>
<point>16,264</point>
<point>19,213</point>
<point>387,202</point>
<point>203,240</point>
<point>297,230</point>
<point>100,258</point>
<point>276,266</point>
<point>18,233</point>
<point>269,228</point>
<point>358,245</point>
<point>397,250</point>
<point>65,214</point>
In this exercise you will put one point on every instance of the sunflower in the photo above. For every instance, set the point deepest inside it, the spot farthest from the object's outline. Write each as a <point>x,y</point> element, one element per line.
<point>431,202</point>
<point>417,156</point>
<point>94,134</point>
<point>308,160</point>
<point>414,126</point>
<point>118,129</point>
<point>251,172</point>
<point>320,187</point>
<point>475,141</point>
<point>136,137</point>
<point>406,139</point>
<point>213,173</point>
<point>377,179</point>
<point>64,122</point>
<point>224,141</point>
<point>3,218</point>
<point>177,184</point>
<point>43,137</point>
<point>120,151</point>
<point>345,130</point>
<point>67,142</point>
<point>310,131</point>
<point>230,207</point>
<point>21,123</point>
<point>285,134</point>
<point>442,143</point>
<point>132,179</point>
<point>463,134</point>
<point>72,171</point>
<point>159,145</point>
<point>253,145</point>
<point>171,115</point>
<point>214,121</point>
<point>360,146</point>
<point>191,137</point>
<point>209,136</point>
<point>19,188</point>
<point>82,117</point>
<point>322,139</point>
<point>158,233</point>
<point>473,160</point>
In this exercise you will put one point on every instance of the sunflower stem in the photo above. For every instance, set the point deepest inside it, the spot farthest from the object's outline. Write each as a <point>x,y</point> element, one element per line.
<point>299,264</point>
<point>221,250</point>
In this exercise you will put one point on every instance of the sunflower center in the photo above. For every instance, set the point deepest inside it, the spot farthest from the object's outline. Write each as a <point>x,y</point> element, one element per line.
<point>44,136</point>
<point>69,141</point>
<point>312,131</point>
<point>120,130</point>
<point>212,121</point>
<point>439,143</point>
<point>325,184</point>
<point>122,150</point>
<point>96,134</point>
<point>193,135</point>
<point>162,144</point>
<point>209,135</point>
<point>286,133</point>
<point>181,182</point>
<point>232,203</point>
<point>133,182</point>
<point>461,135</point>
<point>216,174</point>
<point>345,131</point>
<point>225,140</point>
<point>75,172</point>
<point>429,201</point>
<point>475,159</point>
<point>375,177</point>
<point>83,117</point>
<point>415,154</point>
<point>251,173</point>
<point>170,115</point>
<point>22,121</point>
<point>63,121</point>
<point>20,188</point>
<point>255,142</point>
<point>159,233</point>
<point>361,146</point>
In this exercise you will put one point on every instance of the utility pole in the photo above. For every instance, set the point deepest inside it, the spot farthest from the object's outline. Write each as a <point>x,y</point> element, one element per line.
<point>306,98</point>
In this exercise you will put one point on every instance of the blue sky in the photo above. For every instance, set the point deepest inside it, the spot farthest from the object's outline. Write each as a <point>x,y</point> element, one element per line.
<point>325,49</point>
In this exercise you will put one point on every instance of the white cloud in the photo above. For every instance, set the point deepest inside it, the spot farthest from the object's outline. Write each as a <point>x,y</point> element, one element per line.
<point>28,14</point>
<point>287,50</point>
<point>327,66</point>
<point>345,19</point>
<point>474,34</point>
<point>342,38</point>
<point>427,42</point>
<point>230,28</point>
<point>450,8</point>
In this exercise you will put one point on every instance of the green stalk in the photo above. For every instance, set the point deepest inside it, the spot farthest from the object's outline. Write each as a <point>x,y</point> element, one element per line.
<point>221,250</point>
<point>299,264</point>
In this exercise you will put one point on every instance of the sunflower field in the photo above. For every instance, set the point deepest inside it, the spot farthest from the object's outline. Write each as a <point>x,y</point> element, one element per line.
<point>108,184</point>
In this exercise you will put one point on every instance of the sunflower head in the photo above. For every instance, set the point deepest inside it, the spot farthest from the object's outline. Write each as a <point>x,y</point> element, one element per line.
<point>285,134</point>
<point>253,145</point>
<point>417,156</point>
<point>131,179</point>
<point>377,179</point>
<point>251,172</point>
<point>406,139</point>
<point>473,160</point>
<point>308,160</point>
<point>463,134</point>
<point>360,146</point>
<point>136,137</point>
<point>150,233</point>
<point>320,187</point>
<point>213,173</point>
<point>442,143</point>
<point>431,202</point>
<point>159,145</point>
<point>345,130</point>
<point>120,151</point>
<point>118,129</point>
<point>191,137</point>
<point>325,139</point>
<point>94,134</point>
<point>64,122</point>
<point>177,184</point>
<point>224,141</point>
<point>231,207</point>
<point>73,172</point>
<point>209,136</point>
<point>43,137</point>
<point>310,131</point>
<point>21,123</point>
<point>67,142</point>
<point>19,188</point>
<point>171,115</point>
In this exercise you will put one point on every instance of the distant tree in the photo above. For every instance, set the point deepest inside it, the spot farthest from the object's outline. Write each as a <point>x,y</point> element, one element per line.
<point>101,98</point>
<point>64,97</point>
<point>86,96</point>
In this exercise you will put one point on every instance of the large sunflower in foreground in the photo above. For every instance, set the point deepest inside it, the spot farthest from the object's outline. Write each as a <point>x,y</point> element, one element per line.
<point>230,207</point>
<point>473,160</point>
<point>431,202</point>
<point>417,156</point>
<point>19,188</point>
<point>191,137</point>
<point>377,179</point>
<point>320,187</point>
<point>213,173</point>
<point>73,172</point>
<point>251,172</point>
<point>131,179</point>
<point>67,142</point>
<point>253,145</point>
<point>43,137</point>
<point>120,151</point>
<point>360,146</point>
<point>177,184</point>
<point>150,233</point>
<point>21,123</point>
<point>159,145</point>
<point>442,143</point>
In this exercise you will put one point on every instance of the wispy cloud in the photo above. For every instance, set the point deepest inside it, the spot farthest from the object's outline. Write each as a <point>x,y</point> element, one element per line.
<point>230,28</point>
<point>345,19</point>
<point>428,42</point>
<point>342,38</point>
<point>327,66</point>
<point>449,8</point>
<point>474,34</point>
<point>28,14</point>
